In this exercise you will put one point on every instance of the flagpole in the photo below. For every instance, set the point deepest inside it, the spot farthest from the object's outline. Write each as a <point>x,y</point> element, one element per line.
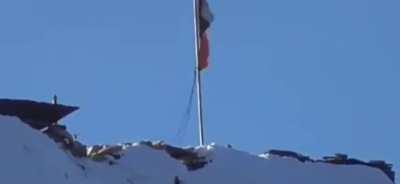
<point>200,118</point>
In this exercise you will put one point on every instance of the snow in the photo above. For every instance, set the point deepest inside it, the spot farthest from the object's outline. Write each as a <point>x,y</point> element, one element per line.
<point>28,156</point>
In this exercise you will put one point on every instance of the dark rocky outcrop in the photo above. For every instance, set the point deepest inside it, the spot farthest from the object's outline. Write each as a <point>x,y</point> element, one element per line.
<point>291,154</point>
<point>343,159</point>
<point>188,156</point>
<point>339,159</point>
<point>36,114</point>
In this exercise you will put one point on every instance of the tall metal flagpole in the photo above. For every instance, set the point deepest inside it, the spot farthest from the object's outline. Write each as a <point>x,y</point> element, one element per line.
<point>200,119</point>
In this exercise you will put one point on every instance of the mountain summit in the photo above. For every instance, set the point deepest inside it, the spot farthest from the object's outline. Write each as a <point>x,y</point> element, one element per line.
<point>29,156</point>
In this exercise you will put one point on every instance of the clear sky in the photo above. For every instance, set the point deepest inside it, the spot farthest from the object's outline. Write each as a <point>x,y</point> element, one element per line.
<point>318,77</point>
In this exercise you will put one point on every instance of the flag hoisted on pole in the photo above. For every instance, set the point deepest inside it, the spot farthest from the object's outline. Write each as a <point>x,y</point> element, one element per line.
<point>205,19</point>
<point>202,21</point>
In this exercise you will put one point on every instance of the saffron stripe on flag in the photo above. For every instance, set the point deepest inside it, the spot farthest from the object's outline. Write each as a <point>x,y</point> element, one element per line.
<point>204,51</point>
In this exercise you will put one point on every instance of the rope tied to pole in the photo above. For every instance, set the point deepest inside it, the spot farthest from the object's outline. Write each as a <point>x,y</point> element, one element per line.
<point>183,125</point>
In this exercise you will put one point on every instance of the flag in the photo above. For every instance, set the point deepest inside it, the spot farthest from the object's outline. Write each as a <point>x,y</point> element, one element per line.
<point>206,18</point>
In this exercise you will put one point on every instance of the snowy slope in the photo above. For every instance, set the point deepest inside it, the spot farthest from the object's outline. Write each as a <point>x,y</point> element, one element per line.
<point>29,156</point>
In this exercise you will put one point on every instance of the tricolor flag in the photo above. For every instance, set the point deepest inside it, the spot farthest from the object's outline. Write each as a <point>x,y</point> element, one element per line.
<point>206,18</point>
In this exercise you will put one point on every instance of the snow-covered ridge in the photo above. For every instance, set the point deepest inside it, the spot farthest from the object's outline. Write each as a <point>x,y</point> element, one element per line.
<point>29,156</point>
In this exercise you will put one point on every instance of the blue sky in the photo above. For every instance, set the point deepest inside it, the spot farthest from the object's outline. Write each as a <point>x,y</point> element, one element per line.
<point>318,77</point>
